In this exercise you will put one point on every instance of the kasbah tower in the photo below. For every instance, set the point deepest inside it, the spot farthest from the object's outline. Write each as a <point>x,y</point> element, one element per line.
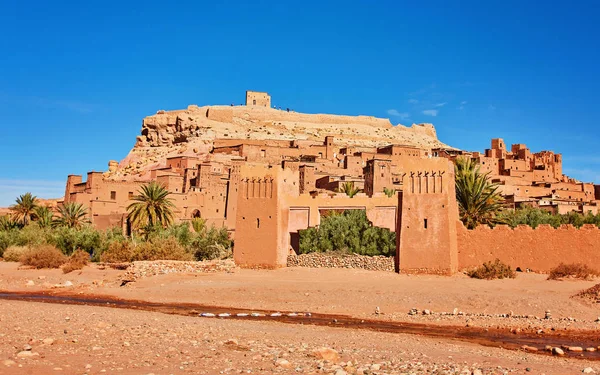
<point>267,173</point>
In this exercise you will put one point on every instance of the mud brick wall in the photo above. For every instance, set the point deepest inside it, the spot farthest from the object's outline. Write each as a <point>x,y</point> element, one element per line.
<point>539,249</point>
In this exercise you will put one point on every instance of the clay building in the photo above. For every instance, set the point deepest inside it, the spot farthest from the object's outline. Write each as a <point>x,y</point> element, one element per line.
<point>258,98</point>
<point>265,185</point>
<point>531,179</point>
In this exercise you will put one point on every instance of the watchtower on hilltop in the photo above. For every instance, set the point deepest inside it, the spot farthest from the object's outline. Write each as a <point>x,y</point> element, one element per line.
<point>255,98</point>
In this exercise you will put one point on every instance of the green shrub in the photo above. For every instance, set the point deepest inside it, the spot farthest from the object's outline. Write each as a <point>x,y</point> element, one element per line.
<point>573,270</point>
<point>44,256</point>
<point>14,253</point>
<point>68,239</point>
<point>212,244</point>
<point>493,270</point>
<point>533,217</point>
<point>348,232</point>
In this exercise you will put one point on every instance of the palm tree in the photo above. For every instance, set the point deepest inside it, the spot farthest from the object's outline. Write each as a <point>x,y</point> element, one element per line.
<point>152,207</point>
<point>8,223</point>
<point>25,208</point>
<point>348,189</point>
<point>479,201</point>
<point>72,215</point>
<point>43,216</point>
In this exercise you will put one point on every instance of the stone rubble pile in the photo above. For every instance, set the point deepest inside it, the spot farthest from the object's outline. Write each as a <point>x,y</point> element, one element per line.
<point>162,267</point>
<point>324,260</point>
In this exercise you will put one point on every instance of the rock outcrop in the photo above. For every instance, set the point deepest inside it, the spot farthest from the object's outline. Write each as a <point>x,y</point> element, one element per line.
<point>191,132</point>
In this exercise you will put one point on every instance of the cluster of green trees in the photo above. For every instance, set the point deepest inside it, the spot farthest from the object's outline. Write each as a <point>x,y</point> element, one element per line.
<point>151,215</point>
<point>348,232</point>
<point>535,216</point>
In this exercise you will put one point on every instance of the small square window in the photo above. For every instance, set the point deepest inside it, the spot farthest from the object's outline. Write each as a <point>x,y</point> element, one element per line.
<point>113,195</point>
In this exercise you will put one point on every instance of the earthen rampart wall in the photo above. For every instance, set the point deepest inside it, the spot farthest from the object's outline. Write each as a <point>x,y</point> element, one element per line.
<point>539,249</point>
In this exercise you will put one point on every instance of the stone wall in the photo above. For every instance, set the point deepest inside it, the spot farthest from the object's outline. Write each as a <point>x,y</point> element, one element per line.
<point>321,260</point>
<point>539,249</point>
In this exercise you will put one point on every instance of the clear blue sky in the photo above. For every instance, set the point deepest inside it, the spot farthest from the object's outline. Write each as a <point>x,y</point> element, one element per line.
<point>77,77</point>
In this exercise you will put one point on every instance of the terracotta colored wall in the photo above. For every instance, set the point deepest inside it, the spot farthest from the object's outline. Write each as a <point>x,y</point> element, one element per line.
<point>538,249</point>
<point>259,241</point>
<point>427,212</point>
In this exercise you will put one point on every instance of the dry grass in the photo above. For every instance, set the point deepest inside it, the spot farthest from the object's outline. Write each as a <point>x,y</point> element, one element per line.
<point>493,270</point>
<point>573,271</point>
<point>77,261</point>
<point>14,253</point>
<point>159,249</point>
<point>163,249</point>
<point>44,256</point>
<point>118,252</point>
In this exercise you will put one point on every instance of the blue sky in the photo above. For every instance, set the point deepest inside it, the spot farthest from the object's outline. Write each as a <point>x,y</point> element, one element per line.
<point>76,78</point>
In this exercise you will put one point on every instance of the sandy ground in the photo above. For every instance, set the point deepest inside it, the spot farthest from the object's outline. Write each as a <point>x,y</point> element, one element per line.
<point>136,342</point>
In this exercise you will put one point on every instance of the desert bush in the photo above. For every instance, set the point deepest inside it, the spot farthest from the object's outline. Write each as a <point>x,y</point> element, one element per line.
<point>77,261</point>
<point>43,256</point>
<point>493,270</point>
<point>348,232</point>
<point>181,232</point>
<point>213,243</point>
<point>5,242</point>
<point>118,252</point>
<point>69,239</point>
<point>14,253</point>
<point>573,270</point>
<point>161,249</point>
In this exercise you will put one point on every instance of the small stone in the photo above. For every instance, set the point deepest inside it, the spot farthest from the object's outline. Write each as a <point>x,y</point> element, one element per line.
<point>590,349</point>
<point>558,351</point>
<point>477,372</point>
<point>529,348</point>
<point>575,349</point>
<point>48,341</point>
<point>88,366</point>
<point>426,312</point>
<point>588,370</point>
<point>528,369</point>
<point>41,277</point>
<point>375,367</point>
<point>455,311</point>
<point>8,363</point>
<point>26,354</point>
<point>27,347</point>
<point>283,363</point>
<point>30,283</point>
<point>68,283</point>
<point>326,354</point>
<point>126,343</point>
<point>232,342</point>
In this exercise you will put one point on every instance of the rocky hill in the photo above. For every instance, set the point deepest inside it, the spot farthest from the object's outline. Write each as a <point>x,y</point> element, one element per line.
<point>193,130</point>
